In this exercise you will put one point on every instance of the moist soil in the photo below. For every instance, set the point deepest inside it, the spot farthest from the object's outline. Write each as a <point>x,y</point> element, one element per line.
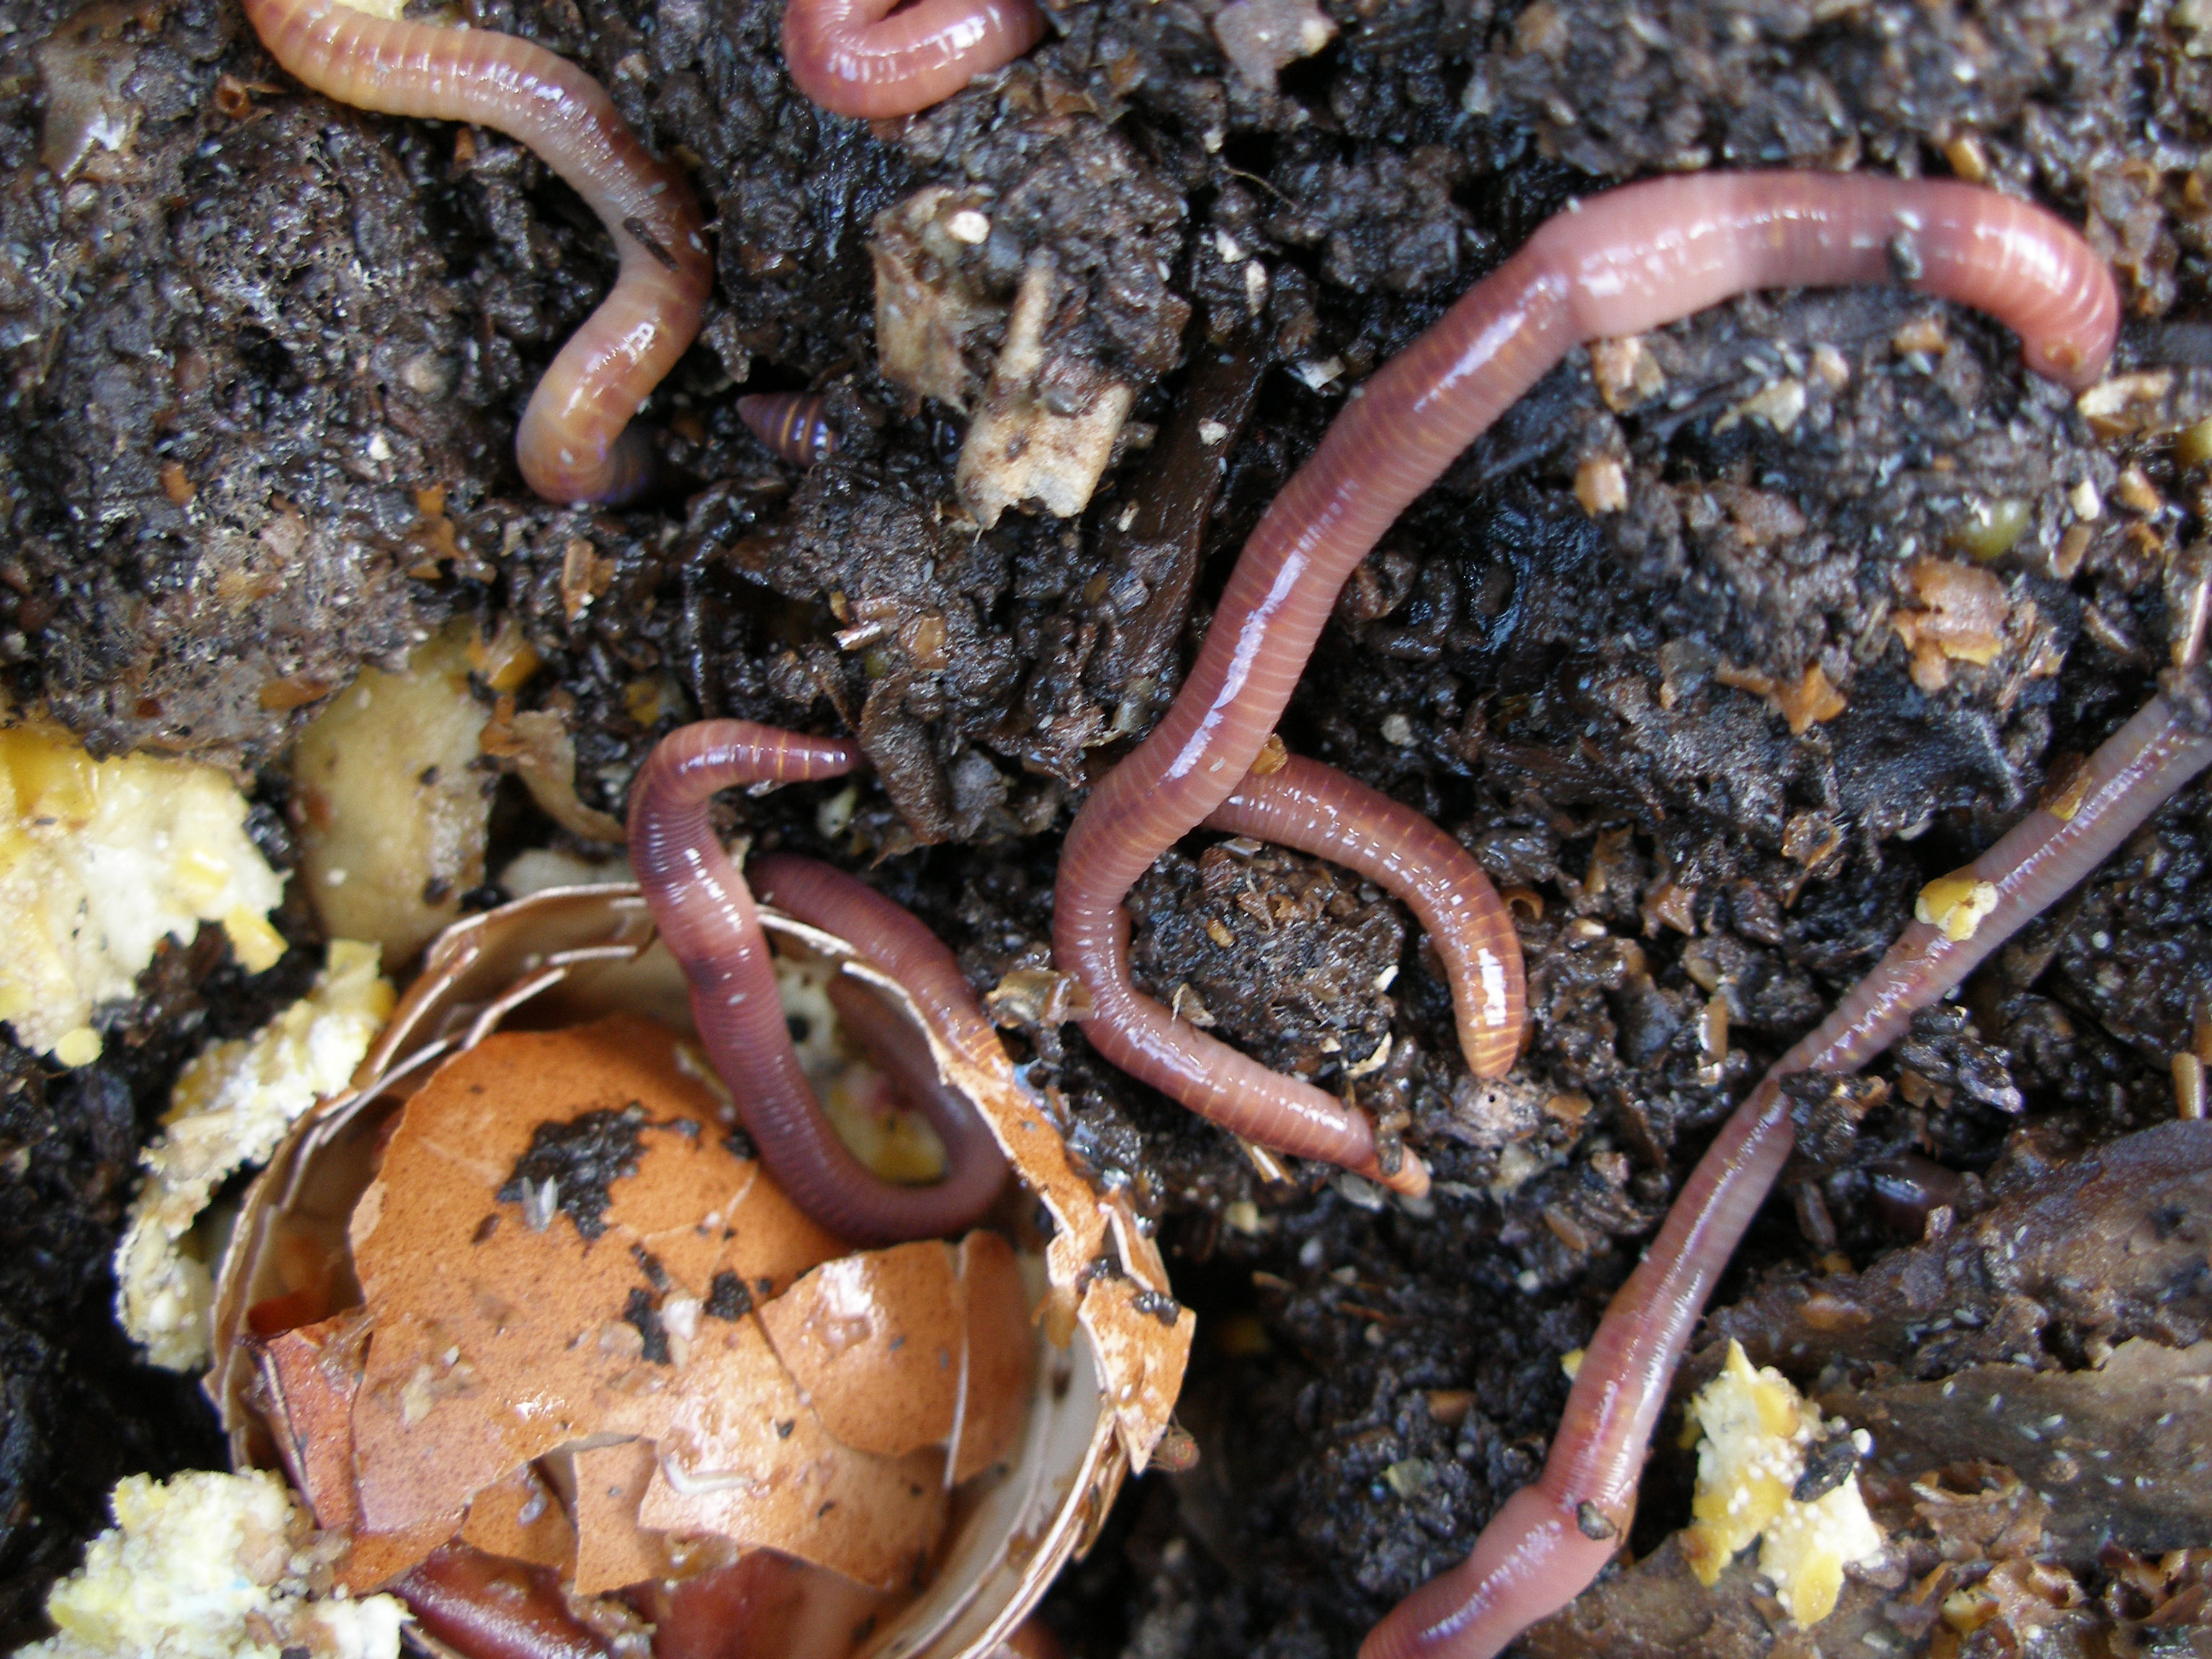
<point>249,337</point>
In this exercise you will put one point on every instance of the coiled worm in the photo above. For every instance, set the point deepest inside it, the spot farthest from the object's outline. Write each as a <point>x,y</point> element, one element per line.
<point>876,59</point>
<point>1617,264</point>
<point>574,444</point>
<point>706,915</point>
<point>1318,810</point>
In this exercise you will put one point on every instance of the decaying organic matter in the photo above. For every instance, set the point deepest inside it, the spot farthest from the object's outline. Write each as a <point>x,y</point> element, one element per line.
<point>1725,641</point>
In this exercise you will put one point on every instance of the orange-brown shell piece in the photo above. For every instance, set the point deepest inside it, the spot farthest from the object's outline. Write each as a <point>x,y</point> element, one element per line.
<point>527,1303</point>
<point>496,1341</point>
<point>900,1348</point>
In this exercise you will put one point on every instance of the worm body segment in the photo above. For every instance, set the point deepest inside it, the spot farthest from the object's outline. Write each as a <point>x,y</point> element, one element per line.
<point>876,59</point>
<point>1549,1540</point>
<point>1318,810</point>
<point>706,914</point>
<point>1619,263</point>
<point>791,424</point>
<point>571,446</point>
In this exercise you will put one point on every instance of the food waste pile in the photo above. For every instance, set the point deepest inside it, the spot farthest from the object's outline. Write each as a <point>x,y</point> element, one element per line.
<point>1713,651</point>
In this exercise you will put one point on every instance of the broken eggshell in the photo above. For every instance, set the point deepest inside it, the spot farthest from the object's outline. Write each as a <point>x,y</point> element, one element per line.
<point>1108,1349</point>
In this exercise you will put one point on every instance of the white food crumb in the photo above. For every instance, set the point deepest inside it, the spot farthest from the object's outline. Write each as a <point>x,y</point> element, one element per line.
<point>231,1105</point>
<point>100,862</point>
<point>209,1567</point>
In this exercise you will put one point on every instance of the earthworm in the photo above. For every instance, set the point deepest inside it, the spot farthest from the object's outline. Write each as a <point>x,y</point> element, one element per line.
<point>1318,810</point>
<point>572,445</point>
<point>1550,1538</point>
<point>1619,263</point>
<point>873,59</point>
<point>706,914</point>
<point>791,424</point>
<point>490,1608</point>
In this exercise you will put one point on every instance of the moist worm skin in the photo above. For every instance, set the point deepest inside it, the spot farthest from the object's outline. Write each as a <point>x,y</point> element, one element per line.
<point>856,58</point>
<point>706,914</point>
<point>571,445</point>
<point>791,424</point>
<point>1318,810</point>
<point>1624,261</point>
<point>1535,1556</point>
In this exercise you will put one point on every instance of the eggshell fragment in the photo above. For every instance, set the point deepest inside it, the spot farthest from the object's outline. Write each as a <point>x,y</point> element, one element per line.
<point>999,1353</point>
<point>899,1348</point>
<point>749,1458</point>
<point>496,1342</point>
<point>877,1341</point>
<point>309,1378</point>
<point>611,1549</point>
<point>522,1519</point>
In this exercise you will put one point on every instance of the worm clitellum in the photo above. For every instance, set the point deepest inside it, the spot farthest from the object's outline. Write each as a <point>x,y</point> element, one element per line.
<point>791,424</point>
<point>1619,263</point>
<point>875,59</point>
<point>1318,810</point>
<point>1550,1538</point>
<point>571,445</point>
<point>705,912</point>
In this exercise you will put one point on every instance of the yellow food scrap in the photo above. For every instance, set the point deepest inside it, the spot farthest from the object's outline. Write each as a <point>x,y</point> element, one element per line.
<point>1757,1431</point>
<point>391,810</point>
<point>100,862</point>
<point>210,1566</point>
<point>1956,903</point>
<point>231,1105</point>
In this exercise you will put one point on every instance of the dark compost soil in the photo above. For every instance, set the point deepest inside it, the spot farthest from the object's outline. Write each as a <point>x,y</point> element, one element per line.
<point>240,338</point>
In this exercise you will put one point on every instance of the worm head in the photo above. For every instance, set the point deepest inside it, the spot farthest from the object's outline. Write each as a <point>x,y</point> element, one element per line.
<point>537,1337</point>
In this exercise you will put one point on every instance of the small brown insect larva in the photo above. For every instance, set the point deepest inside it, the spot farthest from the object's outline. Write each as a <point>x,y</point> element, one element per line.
<point>791,424</point>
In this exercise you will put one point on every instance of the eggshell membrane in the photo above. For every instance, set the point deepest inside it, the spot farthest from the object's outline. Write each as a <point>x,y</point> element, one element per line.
<point>750,1460</point>
<point>521,1517</point>
<point>612,1550</point>
<point>494,1343</point>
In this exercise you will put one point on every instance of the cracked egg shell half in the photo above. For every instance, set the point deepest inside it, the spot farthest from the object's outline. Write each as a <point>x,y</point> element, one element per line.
<point>525,1318</point>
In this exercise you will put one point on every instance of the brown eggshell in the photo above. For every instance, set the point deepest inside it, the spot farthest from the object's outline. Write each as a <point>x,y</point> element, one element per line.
<point>611,1549</point>
<point>308,1379</point>
<point>743,1456</point>
<point>875,1339</point>
<point>496,1343</point>
<point>522,1519</point>
<point>377,1557</point>
<point>884,1343</point>
<point>580,952</point>
<point>1000,1349</point>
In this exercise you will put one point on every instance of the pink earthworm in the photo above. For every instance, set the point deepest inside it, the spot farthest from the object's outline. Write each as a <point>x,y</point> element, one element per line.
<point>573,444</point>
<point>876,59</point>
<point>706,914</point>
<point>489,1608</point>
<point>1318,810</point>
<point>1550,1538</point>
<point>791,425</point>
<point>1616,263</point>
